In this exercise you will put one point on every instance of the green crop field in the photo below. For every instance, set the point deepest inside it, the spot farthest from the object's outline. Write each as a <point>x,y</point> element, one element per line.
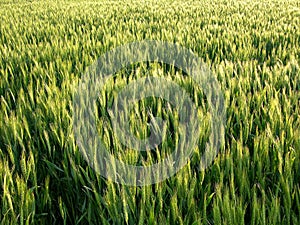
<point>252,48</point>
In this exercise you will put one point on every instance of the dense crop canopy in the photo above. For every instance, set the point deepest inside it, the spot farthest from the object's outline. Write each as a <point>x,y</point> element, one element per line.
<point>253,48</point>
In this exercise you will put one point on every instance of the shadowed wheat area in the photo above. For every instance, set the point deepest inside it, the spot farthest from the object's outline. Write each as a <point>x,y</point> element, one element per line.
<point>252,47</point>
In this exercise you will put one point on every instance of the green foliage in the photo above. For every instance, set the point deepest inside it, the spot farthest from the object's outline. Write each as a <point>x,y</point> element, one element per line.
<point>252,46</point>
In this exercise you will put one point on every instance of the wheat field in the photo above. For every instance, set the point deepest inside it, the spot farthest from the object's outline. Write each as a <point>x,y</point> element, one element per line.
<point>252,47</point>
